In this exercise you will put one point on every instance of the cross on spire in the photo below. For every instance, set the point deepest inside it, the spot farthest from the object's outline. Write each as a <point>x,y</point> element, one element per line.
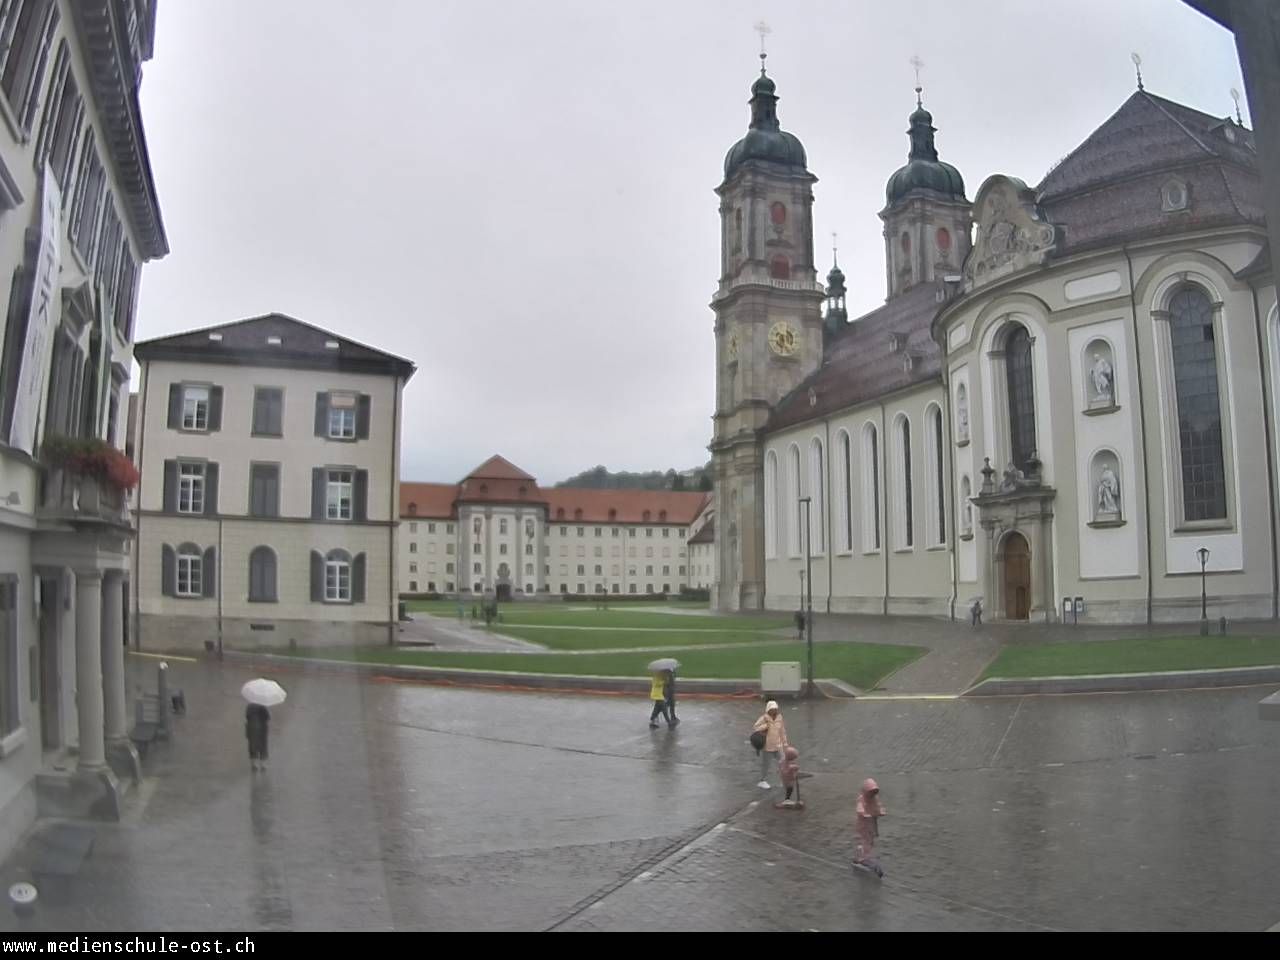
<point>764,30</point>
<point>1137,65</point>
<point>834,261</point>
<point>918,64</point>
<point>1235,95</point>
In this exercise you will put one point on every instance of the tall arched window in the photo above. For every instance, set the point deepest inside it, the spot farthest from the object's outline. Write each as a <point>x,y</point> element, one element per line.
<point>904,518</point>
<point>796,522</point>
<point>1021,393</point>
<point>262,575</point>
<point>844,500</point>
<point>870,488</point>
<point>1195,375</point>
<point>937,478</point>
<point>771,504</point>
<point>817,505</point>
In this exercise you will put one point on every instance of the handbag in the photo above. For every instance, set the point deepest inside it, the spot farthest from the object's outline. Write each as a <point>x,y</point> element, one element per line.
<point>758,738</point>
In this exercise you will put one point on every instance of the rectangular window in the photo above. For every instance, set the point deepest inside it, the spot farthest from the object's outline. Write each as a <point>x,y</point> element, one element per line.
<point>599,531</point>
<point>682,571</point>
<point>191,488</point>
<point>448,568</point>
<point>599,569</point>
<point>682,532</point>
<point>631,588</point>
<point>413,547</point>
<point>337,581</point>
<point>190,580</point>
<point>413,528</point>
<point>666,570</point>
<point>413,568</point>
<point>10,691</point>
<point>264,490</point>
<point>648,570</point>
<point>342,416</point>
<point>564,531</point>
<point>666,531</point>
<point>448,528</point>
<point>475,568</point>
<point>528,569</point>
<point>431,528</point>
<point>582,588</point>
<point>502,526</point>
<point>599,552</point>
<point>26,32</point>
<point>268,411</point>
<point>648,531</point>
<point>477,547</point>
<point>338,494</point>
<point>448,548</point>
<point>581,569</point>
<point>528,549</point>
<point>631,532</point>
<point>413,586</point>
<point>195,408</point>
<point>582,531</point>
<point>502,549</point>
<point>615,531</point>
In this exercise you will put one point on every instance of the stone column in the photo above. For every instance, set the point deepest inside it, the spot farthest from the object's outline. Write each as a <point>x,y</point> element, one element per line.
<point>89,669</point>
<point>121,753</point>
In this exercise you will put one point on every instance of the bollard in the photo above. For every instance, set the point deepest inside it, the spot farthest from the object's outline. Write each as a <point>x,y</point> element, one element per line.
<point>162,700</point>
<point>1222,626</point>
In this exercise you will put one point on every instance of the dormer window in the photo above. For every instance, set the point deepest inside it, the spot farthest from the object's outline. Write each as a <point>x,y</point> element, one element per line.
<point>1174,196</point>
<point>897,342</point>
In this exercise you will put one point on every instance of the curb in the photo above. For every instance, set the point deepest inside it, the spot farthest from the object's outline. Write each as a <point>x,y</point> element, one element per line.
<point>455,676</point>
<point>1126,682</point>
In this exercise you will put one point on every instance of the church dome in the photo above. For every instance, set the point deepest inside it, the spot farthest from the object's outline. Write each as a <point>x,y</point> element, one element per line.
<point>924,171</point>
<point>765,140</point>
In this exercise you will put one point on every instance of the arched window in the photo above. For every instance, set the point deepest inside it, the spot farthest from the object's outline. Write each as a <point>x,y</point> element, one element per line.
<point>1195,375</point>
<point>817,499</point>
<point>904,518</point>
<point>190,571</point>
<point>796,523</point>
<point>262,575</point>
<point>870,488</point>
<point>337,576</point>
<point>844,501</point>
<point>770,505</point>
<point>1021,394</point>
<point>937,477</point>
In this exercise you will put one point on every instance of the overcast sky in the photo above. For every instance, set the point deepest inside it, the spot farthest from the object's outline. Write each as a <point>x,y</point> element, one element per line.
<point>518,196</point>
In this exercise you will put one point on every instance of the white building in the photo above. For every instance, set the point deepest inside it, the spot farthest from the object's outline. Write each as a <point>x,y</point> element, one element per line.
<point>498,531</point>
<point>702,549</point>
<point>78,215</point>
<point>269,452</point>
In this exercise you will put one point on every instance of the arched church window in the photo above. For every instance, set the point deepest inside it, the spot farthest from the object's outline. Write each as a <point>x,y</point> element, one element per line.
<point>1021,394</point>
<point>737,230</point>
<point>771,511</point>
<point>943,239</point>
<point>1195,374</point>
<point>905,518</point>
<point>793,492</point>
<point>844,504</point>
<point>817,504</point>
<point>778,213</point>
<point>870,489</point>
<point>780,268</point>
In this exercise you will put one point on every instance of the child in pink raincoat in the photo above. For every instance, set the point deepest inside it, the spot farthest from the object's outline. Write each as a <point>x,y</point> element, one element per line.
<point>869,811</point>
<point>789,771</point>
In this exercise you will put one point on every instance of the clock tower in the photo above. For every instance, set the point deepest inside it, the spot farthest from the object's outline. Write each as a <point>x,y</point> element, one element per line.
<point>768,329</point>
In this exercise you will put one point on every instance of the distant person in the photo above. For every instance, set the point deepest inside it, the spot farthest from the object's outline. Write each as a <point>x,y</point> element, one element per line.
<point>869,810</point>
<point>257,719</point>
<point>669,693</point>
<point>976,612</point>
<point>799,624</point>
<point>658,694</point>
<point>789,773</point>
<point>775,739</point>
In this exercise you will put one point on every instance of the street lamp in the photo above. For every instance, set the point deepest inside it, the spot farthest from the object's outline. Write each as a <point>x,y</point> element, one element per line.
<point>808,599</point>
<point>1203,554</point>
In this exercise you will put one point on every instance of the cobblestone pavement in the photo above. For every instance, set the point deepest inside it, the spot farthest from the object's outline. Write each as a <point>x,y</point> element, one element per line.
<point>399,806</point>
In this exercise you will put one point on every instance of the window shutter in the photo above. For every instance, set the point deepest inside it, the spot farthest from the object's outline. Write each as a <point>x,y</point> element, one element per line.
<point>322,414</point>
<point>317,576</point>
<point>209,572</point>
<point>171,486</point>
<point>362,417</point>
<point>317,493</point>
<point>357,578</point>
<point>360,496</point>
<point>210,489</point>
<point>215,409</point>
<point>175,406</point>
<point>168,570</point>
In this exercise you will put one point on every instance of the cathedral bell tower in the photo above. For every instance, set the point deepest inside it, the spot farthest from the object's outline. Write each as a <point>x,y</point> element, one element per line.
<point>768,329</point>
<point>927,220</point>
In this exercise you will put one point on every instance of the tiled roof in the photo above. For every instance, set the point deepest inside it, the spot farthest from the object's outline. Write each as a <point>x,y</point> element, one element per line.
<point>707,534</point>
<point>499,468</point>
<point>430,500</point>
<point>861,363</point>
<point>624,506</point>
<point>247,342</point>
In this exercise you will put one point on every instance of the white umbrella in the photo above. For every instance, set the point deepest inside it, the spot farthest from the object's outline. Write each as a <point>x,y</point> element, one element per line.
<point>666,663</point>
<point>268,693</point>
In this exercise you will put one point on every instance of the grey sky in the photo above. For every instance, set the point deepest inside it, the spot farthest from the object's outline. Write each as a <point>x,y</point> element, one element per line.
<point>518,196</point>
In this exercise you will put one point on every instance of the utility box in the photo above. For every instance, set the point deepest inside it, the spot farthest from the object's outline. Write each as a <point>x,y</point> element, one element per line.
<point>780,677</point>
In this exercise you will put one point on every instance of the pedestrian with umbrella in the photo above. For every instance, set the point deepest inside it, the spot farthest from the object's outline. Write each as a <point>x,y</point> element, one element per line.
<point>662,691</point>
<point>261,694</point>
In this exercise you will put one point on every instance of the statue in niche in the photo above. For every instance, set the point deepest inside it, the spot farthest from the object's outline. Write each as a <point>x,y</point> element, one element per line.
<point>1108,492</point>
<point>1102,377</point>
<point>962,415</point>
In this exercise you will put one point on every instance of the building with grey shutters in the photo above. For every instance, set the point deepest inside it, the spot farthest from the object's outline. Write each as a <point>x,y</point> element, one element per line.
<point>269,451</point>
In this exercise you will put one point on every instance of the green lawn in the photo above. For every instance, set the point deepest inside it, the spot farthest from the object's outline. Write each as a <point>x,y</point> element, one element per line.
<point>861,664</point>
<point>558,638</point>
<point>1135,655</point>
<point>584,615</point>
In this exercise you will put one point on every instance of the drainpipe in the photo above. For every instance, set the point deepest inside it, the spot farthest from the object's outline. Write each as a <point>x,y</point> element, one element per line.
<point>884,506</point>
<point>141,427</point>
<point>1142,427</point>
<point>1269,429</point>
<point>948,471</point>
<point>393,519</point>
<point>826,501</point>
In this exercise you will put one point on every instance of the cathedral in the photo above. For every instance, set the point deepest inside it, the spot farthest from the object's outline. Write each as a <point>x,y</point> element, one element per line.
<point>1065,409</point>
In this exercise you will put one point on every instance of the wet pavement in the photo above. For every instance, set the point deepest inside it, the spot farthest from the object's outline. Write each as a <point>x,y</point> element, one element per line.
<point>399,806</point>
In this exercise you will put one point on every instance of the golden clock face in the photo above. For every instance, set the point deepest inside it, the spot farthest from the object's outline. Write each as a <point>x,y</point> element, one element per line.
<point>733,346</point>
<point>783,340</point>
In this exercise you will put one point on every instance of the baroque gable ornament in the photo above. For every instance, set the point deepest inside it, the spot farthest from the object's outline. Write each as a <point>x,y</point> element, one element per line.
<point>1011,234</point>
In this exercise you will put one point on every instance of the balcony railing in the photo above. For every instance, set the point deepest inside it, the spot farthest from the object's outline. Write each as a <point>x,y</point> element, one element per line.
<point>82,498</point>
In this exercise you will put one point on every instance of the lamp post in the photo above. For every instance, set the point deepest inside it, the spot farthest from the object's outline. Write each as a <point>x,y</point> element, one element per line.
<point>1203,554</point>
<point>808,598</point>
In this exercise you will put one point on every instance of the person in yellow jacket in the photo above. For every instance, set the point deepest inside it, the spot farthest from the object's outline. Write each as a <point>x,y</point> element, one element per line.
<point>658,694</point>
